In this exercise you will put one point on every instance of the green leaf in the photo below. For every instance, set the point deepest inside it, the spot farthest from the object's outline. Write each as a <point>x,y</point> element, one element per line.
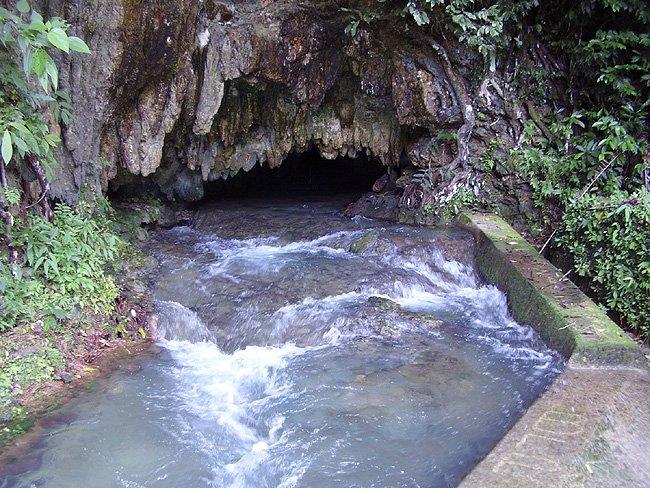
<point>12,195</point>
<point>53,73</point>
<point>59,39</point>
<point>20,144</point>
<point>23,6</point>
<point>36,17</point>
<point>27,62</point>
<point>351,28</point>
<point>49,322</point>
<point>7,147</point>
<point>37,25</point>
<point>78,45</point>
<point>18,125</point>
<point>39,62</point>
<point>52,139</point>
<point>44,83</point>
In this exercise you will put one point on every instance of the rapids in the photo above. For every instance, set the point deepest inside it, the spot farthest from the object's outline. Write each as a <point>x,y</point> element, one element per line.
<point>301,348</point>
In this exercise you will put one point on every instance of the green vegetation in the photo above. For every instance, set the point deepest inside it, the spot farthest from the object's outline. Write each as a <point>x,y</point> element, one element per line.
<point>51,262</point>
<point>60,297</point>
<point>589,167</point>
<point>609,240</point>
<point>586,158</point>
<point>64,266</point>
<point>28,91</point>
<point>24,370</point>
<point>63,302</point>
<point>21,422</point>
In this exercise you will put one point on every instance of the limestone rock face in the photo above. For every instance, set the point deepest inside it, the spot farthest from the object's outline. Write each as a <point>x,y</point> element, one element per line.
<point>180,92</point>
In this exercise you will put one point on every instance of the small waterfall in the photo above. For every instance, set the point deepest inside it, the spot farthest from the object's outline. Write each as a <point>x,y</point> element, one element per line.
<point>178,323</point>
<point>283,322</point>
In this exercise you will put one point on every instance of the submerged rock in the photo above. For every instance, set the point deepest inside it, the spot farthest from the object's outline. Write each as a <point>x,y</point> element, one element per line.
<point>364,242</point>
<point>383,303</point>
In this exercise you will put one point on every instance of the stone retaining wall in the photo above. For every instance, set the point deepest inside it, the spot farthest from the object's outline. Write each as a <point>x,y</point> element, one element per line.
<point>539,295</point>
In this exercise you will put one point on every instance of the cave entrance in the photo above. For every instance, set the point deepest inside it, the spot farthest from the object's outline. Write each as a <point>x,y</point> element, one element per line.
<point>301,175</point>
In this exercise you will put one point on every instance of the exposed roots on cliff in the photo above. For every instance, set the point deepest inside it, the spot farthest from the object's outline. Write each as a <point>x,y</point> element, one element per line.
<point>465,131</point>
<point>43,199</point>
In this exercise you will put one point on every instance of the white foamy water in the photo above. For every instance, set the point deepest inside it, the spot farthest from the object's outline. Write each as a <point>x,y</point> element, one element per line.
<point>258,256</point>
<point>178,322</point>
<point>290,360</point>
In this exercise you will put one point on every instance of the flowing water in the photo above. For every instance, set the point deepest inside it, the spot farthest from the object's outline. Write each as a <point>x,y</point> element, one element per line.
<point>301,348</point>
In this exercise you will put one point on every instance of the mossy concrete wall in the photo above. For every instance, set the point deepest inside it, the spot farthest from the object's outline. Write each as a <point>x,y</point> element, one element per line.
<point>539,296</point>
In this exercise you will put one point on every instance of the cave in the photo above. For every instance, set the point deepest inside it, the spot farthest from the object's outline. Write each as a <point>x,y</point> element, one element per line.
<point>301,175</point>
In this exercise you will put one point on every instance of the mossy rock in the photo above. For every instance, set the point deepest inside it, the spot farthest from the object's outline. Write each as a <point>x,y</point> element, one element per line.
<point>538,295</point>
<point>15,424</point>
<point>383,303</point>
<point>364,242</point>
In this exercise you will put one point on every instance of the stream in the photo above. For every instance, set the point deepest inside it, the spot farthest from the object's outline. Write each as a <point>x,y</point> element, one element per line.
<point>301,348</point>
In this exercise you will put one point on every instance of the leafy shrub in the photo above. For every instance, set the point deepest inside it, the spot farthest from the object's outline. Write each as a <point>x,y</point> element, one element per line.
<point>482,25</point>
<point>603,209</point>
<point>609,240</point>
<point>587,147</point>
<point>587,161</point>
<point>29,81</point>
<point>64,266</point>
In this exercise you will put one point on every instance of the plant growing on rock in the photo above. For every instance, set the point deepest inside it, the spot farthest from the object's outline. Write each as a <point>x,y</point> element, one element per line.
<point>29,98</point>
<point>578,75</point>
<point>65,264</point>
<point>484,26</point>
<point>54,260</point>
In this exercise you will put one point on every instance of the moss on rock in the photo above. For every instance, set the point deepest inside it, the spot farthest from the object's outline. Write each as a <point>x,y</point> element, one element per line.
<point>540,296</point>
<point>364,242</point>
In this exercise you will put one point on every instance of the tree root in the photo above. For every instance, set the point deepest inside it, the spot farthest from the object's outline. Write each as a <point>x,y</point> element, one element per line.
<point>45,187</point>
<point>484,90</point>
<point>445,190</point>
<point>535,117</point>
<point>465,131</point>
<point>6,217</point>
<point>442,190</point>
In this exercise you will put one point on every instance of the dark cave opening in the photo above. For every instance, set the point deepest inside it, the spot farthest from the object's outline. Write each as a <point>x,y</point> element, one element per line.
<point>301,174</point>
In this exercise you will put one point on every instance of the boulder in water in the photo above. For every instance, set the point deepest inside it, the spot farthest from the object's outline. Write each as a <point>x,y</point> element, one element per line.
<point>362,243</point>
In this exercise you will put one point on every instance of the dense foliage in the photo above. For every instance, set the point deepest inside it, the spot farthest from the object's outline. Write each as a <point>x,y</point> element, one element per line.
<point>29,82</point>
<point>63,269</point>
<point>592,165</point>
<point>51,264</point>
<point>610,244</point>
<point>585,149</point>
